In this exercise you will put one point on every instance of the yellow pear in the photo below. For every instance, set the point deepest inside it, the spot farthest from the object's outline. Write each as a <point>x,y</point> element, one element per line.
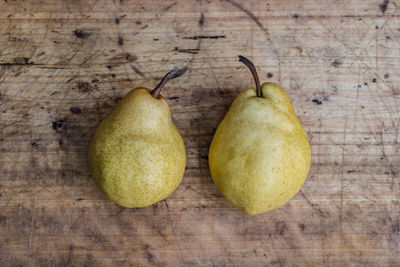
<point>260,156</point>
<point>137,156</point>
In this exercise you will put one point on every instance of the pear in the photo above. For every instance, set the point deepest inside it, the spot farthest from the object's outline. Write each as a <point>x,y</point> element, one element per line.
<point>260,156</point>
<point>137,156</point>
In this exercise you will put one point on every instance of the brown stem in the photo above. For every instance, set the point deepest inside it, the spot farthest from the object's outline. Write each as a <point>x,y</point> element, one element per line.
<point>253,70</point>
<point>170,75</point>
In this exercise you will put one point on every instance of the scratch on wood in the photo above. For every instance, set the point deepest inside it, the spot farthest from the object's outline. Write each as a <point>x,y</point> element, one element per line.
<point>313,206</point>
<point>251,16</point>
<point>174,231</point>
<point>204,37</point>
<point>170,6</point>
<point>341,187</point>
<point>19,61</point>
<point>189,51</point>
<point>137,71</point>
<point>32,225</point>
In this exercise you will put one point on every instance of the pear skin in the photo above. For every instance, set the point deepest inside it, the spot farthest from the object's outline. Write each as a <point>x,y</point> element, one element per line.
<point>137,156</point>
<point>260,156</point>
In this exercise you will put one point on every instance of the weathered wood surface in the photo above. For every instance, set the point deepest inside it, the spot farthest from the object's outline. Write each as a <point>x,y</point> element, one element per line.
<point>65,64</point>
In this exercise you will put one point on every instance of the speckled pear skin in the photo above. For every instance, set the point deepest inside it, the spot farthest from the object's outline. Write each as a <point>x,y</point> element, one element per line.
<point>260,156</point>
<point>137,156</point>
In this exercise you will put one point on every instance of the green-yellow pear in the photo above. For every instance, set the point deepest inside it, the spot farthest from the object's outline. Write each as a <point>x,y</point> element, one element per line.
<point>137,156</point>
<point>260,156</point>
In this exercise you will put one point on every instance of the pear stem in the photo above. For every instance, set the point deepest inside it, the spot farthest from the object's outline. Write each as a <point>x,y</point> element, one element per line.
<point>169,76</point>
<point>253,70</point>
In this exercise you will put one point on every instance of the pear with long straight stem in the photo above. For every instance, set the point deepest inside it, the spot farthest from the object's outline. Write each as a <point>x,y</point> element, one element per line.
<point>259,157</point>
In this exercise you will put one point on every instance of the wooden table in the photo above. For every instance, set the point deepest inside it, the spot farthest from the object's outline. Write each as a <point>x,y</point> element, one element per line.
<point>65,64</point>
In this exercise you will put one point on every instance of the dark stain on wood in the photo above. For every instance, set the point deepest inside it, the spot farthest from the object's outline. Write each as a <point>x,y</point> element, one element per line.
<point>383,6</point>
<point>197,37</point>
<point>188,51</point>
<point>204,157</point>
<point>120,40</point>
<point>396,228</point>
<point>117,99</point>
<point>3,220</point>
<point>75,110</point>
<point>19,61</point>
<point>130,57</point>
<point>35,145</point>
<point>84,86</point>
<point>336,63</point>
<point>202,20</point>
<point>82,34</point>
<point>280,227</point>
<point>317,101</point>
<point>150,256</point>
<point>57,125</point>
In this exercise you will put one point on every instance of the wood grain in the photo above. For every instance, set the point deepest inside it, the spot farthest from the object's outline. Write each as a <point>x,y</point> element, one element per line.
<point>65,64</point>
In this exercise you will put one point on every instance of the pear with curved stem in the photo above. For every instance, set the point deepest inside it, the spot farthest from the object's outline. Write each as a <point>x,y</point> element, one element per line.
<point>137,156</point>
<point>260,156</point>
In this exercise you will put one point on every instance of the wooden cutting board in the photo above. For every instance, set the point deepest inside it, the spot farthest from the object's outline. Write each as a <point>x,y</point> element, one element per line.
<point>65,64</point>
